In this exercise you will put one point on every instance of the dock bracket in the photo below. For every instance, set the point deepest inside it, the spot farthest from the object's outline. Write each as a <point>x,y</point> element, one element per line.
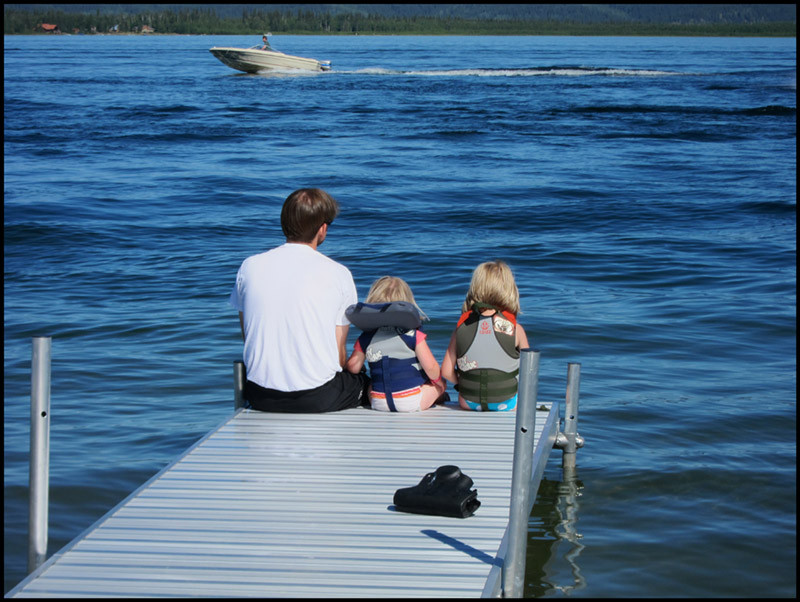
<point>562,442</point>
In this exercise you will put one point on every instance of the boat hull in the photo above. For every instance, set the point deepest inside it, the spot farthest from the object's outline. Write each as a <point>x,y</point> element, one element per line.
<point>252,60</point>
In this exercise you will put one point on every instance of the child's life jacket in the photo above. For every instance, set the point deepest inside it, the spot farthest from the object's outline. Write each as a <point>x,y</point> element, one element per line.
<point>487,358</point>
<point>389,342</point>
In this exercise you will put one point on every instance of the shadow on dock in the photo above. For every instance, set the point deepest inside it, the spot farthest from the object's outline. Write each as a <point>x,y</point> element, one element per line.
<point>462,547</point>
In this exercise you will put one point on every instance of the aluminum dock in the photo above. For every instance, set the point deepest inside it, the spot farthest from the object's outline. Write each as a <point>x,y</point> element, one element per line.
<point>290,505</point>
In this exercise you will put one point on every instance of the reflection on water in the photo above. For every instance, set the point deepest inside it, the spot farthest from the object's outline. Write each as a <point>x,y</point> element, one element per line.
<point>554,543</point>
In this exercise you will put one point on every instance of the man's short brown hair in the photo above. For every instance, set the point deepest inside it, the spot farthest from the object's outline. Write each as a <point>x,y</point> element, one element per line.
<point>304,211</point>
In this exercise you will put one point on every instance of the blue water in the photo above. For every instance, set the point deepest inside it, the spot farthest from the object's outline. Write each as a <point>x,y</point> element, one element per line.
<point>642,189</point>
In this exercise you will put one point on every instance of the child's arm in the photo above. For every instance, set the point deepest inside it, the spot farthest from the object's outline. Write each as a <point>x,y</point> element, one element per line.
<point>449,361</point>
<point>341,343</point>
<point>522,338</point>
<point>356,361</point>
<point>427,362</point>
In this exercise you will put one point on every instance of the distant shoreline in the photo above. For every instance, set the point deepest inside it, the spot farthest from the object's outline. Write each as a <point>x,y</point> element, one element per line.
<point>738,34</point>
<point>653,20</point>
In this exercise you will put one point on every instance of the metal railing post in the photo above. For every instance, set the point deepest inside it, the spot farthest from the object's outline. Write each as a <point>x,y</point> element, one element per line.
<point>514,562</point>
<point>571,415</point>
<point>238,384</point>
<point>39,469</point>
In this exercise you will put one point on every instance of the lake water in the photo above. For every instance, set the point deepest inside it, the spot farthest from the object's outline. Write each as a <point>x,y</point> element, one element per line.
<point>643,190</point>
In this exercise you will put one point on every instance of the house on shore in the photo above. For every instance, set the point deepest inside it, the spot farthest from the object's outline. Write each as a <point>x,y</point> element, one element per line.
<point>48,27</point>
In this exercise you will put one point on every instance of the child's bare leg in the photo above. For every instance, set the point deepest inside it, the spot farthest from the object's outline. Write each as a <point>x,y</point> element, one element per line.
<point>430,393</point>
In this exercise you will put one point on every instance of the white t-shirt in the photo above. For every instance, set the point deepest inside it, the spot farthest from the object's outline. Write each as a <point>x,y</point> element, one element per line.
<point>292,298</point>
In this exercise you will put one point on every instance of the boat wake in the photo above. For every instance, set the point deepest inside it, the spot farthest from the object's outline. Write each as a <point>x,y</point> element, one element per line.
<point>287,72</point>
<point>568,71</point>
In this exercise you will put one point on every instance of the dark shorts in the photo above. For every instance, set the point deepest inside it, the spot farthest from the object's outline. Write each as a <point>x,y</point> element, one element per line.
<point>343,391</point>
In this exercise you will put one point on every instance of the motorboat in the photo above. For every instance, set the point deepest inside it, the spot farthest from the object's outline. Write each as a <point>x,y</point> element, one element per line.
<point>263,57</point>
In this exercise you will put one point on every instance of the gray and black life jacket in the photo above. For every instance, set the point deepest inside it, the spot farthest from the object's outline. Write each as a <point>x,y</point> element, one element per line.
<point>487,358</point>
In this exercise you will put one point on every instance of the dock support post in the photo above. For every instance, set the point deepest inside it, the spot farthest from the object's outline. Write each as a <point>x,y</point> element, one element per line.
<point>238,384</point>
<point>514,562</point>
<point>39,469</point>
<point>571,415</point>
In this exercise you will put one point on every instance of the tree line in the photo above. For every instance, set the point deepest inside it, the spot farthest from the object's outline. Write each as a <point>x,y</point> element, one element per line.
<point>254,21</point>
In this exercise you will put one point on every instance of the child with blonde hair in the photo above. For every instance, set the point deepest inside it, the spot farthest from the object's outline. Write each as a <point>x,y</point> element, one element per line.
<point>405,374</point>
<point>482,359</point>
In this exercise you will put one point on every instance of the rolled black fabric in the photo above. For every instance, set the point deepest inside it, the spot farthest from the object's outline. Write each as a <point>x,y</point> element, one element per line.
<point>445,492</point>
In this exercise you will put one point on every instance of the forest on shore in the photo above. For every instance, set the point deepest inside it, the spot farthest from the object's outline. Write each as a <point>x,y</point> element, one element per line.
<point>310,19</point>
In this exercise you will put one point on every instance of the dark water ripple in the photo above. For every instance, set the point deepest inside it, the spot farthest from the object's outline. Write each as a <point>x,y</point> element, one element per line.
<point>643,191</point>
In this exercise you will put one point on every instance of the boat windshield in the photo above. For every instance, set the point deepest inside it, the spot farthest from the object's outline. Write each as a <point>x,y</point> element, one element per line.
<point>265,47</point>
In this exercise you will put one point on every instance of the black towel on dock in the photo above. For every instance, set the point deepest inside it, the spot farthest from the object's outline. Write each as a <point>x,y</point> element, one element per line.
<point>446,492</point>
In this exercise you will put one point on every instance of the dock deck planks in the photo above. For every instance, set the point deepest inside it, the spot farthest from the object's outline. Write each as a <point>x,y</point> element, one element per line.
<point>291,505</point>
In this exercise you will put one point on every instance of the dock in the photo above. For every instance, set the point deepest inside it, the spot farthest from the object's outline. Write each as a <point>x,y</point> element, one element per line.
<point>301,505</point>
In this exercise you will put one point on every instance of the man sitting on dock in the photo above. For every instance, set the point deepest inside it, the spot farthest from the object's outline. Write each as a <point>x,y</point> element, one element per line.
<point>292,301</point>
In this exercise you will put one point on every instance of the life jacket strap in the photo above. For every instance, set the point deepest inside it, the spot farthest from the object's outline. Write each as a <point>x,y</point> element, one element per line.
<point>386,376</point>
<point>483,397</point>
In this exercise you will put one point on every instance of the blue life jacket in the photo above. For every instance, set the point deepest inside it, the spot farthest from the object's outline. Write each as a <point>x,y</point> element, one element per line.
<point>389,342</point>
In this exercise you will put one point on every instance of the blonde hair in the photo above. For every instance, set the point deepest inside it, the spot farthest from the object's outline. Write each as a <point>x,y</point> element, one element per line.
<point>493,283</point>
<point>390,288</point>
